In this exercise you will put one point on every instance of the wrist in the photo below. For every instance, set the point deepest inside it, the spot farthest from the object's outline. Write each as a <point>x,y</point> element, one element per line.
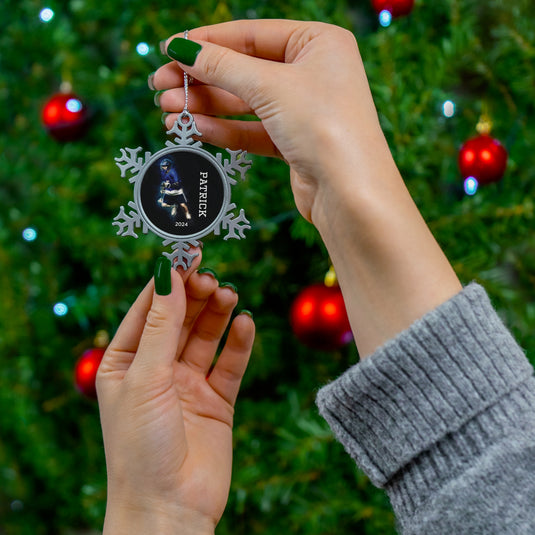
<point>351,162</point>
<point>355,185</point>
<point>157,518</point>
<point>390,268</point>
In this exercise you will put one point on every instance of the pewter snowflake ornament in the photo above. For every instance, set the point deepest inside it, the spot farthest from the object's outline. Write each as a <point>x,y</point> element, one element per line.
<point>182,192</point>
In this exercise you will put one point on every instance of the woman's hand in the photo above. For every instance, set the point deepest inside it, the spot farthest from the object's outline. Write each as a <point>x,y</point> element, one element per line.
<point>306,83</point>
<point>166,413</point>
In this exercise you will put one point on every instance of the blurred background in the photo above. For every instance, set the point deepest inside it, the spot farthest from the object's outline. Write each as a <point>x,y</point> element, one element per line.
<point>454,83</point>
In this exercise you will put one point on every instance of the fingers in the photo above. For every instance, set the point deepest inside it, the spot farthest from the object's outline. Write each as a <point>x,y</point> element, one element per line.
<point>236,73</point>
<point>123,347</point>
<point>203,99</point>
<point>161,332</point>
<point>147,336</point>
<point>266,39</point>
<point>227,374</point>
<point>168,76</point>
<point>208,330</point>
<point>199,288</point>
<point>233,134</point>
<point>242,36</point>
<point>233,55</point>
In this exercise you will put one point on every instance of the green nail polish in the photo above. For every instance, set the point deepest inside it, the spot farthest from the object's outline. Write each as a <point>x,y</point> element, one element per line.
<point>233,287</point>
<point>162,276</point>
<point>204,270</point>
<point>150,81</point>
<point>157,98</point>
<point>183,50</point>
<point>247,313</point>
<point>164,117</point>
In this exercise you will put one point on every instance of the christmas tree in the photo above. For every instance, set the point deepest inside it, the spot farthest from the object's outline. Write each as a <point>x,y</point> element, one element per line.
<point>436,73</point>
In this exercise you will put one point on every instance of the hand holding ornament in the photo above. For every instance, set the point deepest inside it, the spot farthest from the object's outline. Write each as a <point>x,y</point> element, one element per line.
<point>306,83</point>
<point>166,413</point>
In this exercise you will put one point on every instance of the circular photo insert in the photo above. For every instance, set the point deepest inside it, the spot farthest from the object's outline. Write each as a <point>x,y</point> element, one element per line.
<point>182,193</point>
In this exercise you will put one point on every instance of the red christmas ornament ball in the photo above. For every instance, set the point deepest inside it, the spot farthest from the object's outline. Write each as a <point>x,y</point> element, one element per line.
<point>483,158</point>
<point>65,117</point>
<point>397,8</point>
<point>85,371</point>
<point>319,319</point>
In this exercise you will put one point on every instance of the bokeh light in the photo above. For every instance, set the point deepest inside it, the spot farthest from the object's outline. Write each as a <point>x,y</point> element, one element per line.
<point>29,234</point>
<point>385,18</point>
<point>61,309</point>
<point>470,185</point>
<point>46,14</point>
<point>142,49</point>
<point>448,108</point>
<point>74,105</point>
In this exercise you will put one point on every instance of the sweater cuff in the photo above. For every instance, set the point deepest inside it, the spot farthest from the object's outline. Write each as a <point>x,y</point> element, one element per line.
<point>448,367</point>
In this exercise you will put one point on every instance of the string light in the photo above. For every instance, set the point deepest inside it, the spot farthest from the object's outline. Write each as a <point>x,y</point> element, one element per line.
<point>142,49</point>
<point>29,234</point>
<point>61,309</point>
<point>448,108</point>
<point>385,18</point>
<point>46,14</point>
<point>74,105</point>
<point>470,185</point>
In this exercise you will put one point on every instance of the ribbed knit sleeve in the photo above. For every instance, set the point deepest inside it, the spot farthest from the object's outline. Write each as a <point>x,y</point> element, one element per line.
<point>437,411</point>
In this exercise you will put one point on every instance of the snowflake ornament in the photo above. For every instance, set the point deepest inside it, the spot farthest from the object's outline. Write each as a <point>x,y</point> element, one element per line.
<point>182,192</point>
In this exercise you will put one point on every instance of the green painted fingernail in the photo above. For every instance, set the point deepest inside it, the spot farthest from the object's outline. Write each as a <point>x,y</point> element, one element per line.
<point>162,276</point>
<point>204,270</point>
<point>247,313</point>
<point>157,98</point>
<point>164,117</point>
<point>183,50</point>
<point>150,81</point>
<point>233,287</point>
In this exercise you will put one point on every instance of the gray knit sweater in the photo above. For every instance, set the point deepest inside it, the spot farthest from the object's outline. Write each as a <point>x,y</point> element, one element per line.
<point>443,418</point>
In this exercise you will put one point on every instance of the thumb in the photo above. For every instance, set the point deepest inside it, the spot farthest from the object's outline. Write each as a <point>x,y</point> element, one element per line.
<point>222,67</point>
<point>164,320</point>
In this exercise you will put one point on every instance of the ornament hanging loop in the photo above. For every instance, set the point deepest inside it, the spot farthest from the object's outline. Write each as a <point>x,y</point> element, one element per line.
<point>330,278</point>
<point>484,125</point>
<point>185,118</point>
